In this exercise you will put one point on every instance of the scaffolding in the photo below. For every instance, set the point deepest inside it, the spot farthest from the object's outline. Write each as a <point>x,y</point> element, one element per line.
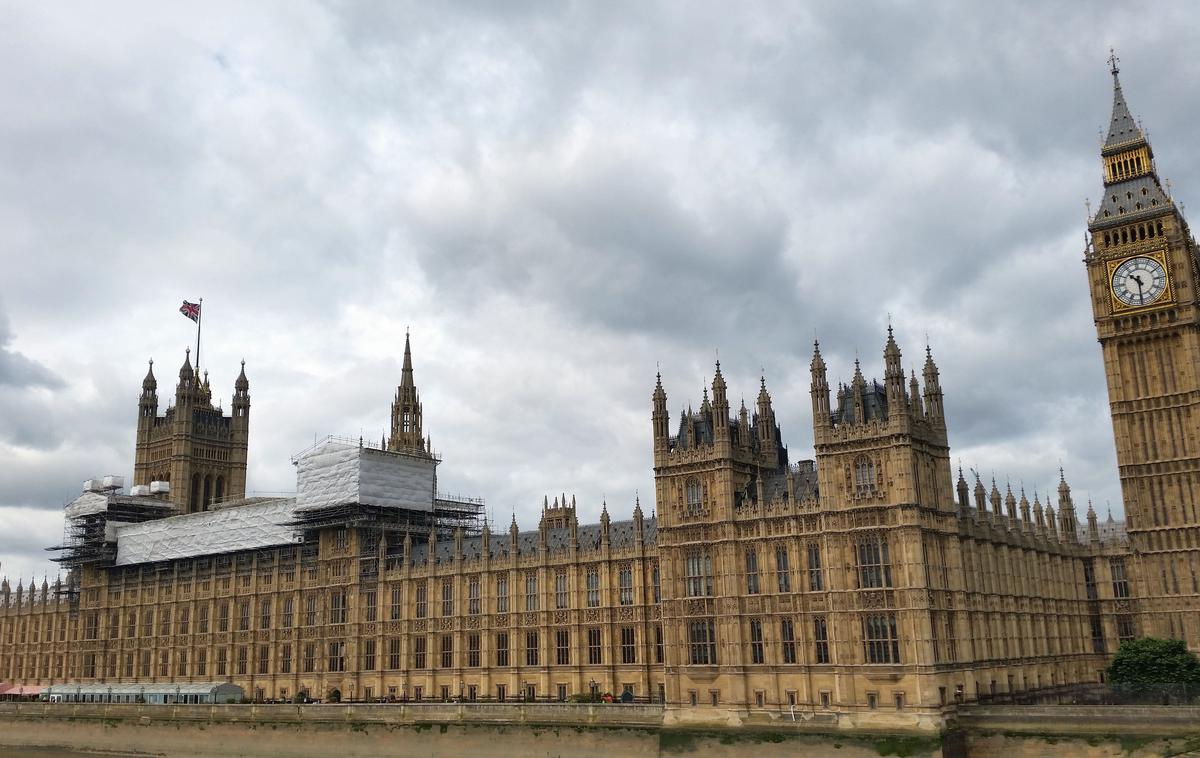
<point>91,521</point>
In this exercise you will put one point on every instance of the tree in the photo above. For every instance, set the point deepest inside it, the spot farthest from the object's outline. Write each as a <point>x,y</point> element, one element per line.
<point>1149,664</point>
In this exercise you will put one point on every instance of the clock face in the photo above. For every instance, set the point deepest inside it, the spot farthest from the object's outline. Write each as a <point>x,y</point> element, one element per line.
<point>1139,281</point>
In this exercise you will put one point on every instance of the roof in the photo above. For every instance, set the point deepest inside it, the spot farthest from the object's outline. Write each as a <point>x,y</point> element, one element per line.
<point>140,688</point>
<point>874,403</point>
<point>1122,128</point>
<point>620,533</point>
<point>255,525</point>
<point>24,690</point>
<point>1132,199</point>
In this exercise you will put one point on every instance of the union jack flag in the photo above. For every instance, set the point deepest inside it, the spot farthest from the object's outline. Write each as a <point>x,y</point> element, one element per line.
<point>191,310</point>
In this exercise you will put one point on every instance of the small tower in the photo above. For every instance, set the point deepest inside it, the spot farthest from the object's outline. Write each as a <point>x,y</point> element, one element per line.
<point>893,377</point>
<point>1093,525</point>
<point>934,410</point>
<point>1027,524</point>
<point>148,402</point>
<point>194,447</point>
<point>767,433</point>
<point>819,390</point>
<point>720,408</point>
<point>964,495</point>
<point>1066,510</point>
<point>659,418</point>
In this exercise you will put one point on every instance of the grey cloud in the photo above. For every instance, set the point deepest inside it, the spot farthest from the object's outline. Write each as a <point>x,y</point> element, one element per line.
<point>556,198</point>
<point>17,370</point>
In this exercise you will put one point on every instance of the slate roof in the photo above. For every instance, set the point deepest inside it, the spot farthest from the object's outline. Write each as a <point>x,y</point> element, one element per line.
<point>1132,199</point>
<point>874,404</point>
<point>1123,127</point>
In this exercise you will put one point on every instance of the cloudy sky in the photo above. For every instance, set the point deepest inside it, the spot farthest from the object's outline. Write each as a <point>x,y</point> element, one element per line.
<point>556,198</point>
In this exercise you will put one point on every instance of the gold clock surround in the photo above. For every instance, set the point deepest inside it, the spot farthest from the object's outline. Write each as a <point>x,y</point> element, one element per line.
<point>1159,256</point>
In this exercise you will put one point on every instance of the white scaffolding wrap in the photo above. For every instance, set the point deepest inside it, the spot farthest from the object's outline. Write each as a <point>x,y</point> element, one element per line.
<point>87,504</point>
<point>243,527</point>
<point>334,473</point>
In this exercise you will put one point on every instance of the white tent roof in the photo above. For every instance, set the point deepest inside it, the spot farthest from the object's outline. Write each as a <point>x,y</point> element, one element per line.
<point>87,504</point>
<point>244,527</point>
<point>135,688</point>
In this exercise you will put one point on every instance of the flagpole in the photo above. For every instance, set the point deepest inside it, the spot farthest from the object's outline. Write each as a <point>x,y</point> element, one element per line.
<point>199,315</point>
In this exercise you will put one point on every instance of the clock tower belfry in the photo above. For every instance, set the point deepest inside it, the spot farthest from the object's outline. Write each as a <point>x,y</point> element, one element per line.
<point>1142,268</point>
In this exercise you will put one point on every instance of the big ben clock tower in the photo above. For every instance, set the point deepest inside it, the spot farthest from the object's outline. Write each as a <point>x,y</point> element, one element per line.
<point>1142,268</point>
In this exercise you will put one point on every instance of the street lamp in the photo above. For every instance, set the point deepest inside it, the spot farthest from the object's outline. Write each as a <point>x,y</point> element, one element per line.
<point>592,687</point>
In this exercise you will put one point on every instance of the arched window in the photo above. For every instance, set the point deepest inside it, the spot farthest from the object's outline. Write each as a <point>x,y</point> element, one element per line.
<point>874,562</point>
<point>693,495</point>
<point>194,500</point>
<point>864,475</point>
<point>220,489</point>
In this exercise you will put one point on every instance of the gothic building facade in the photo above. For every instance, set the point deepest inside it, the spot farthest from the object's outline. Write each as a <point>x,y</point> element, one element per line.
<point>871,585</point>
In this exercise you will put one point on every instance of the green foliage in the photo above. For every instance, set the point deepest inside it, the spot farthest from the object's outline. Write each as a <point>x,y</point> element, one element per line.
<point>1146,663</point>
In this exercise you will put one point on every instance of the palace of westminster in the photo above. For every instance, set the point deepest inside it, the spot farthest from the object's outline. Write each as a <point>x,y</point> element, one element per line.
<point>873,582</point>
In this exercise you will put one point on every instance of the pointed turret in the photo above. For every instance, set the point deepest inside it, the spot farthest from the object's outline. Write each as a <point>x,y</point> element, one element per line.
<point>1051,521</point>
<point>241,394</point>
<point>605,523</point>
<point>1123,128</point>
<point>767,439</point>
<point>1028,524</point>
<point>980,498</point>
<point>914,396</point>
<point>994,496</point>
<point>186,389</point>
<point>1066,510</point>
<point>819,389</point>
<point>964,495</point>
<point>720,407</point>
<point>934,410</point>
<point>150,384</point>
<point>638,520</point>
<point>1038,515</point>
<point>148,402</point>
<point>1010,507</point>
<point>659,418</point>
<point>1093,525</point>
<point>858,390</point>
<point>893,376</point>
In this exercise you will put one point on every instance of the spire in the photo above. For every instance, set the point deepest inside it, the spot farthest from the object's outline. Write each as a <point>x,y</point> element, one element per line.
<point>406,371</point>
<point>893,375</point>
<point>980,497</point>
<point>819,389</point>
<point>964,496</point>
<point>933,391</point>
<point>242,384</point>
<point>1122,128</point>
<point>1025,512</point>
<point>1010,506</point>
<point>407,411</point>
<point>659,418</point>
<point>914,395</point>
<point>150,384</point>
<point>185,371</point>
<point>1093,526</point>
<point>766,422</point>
